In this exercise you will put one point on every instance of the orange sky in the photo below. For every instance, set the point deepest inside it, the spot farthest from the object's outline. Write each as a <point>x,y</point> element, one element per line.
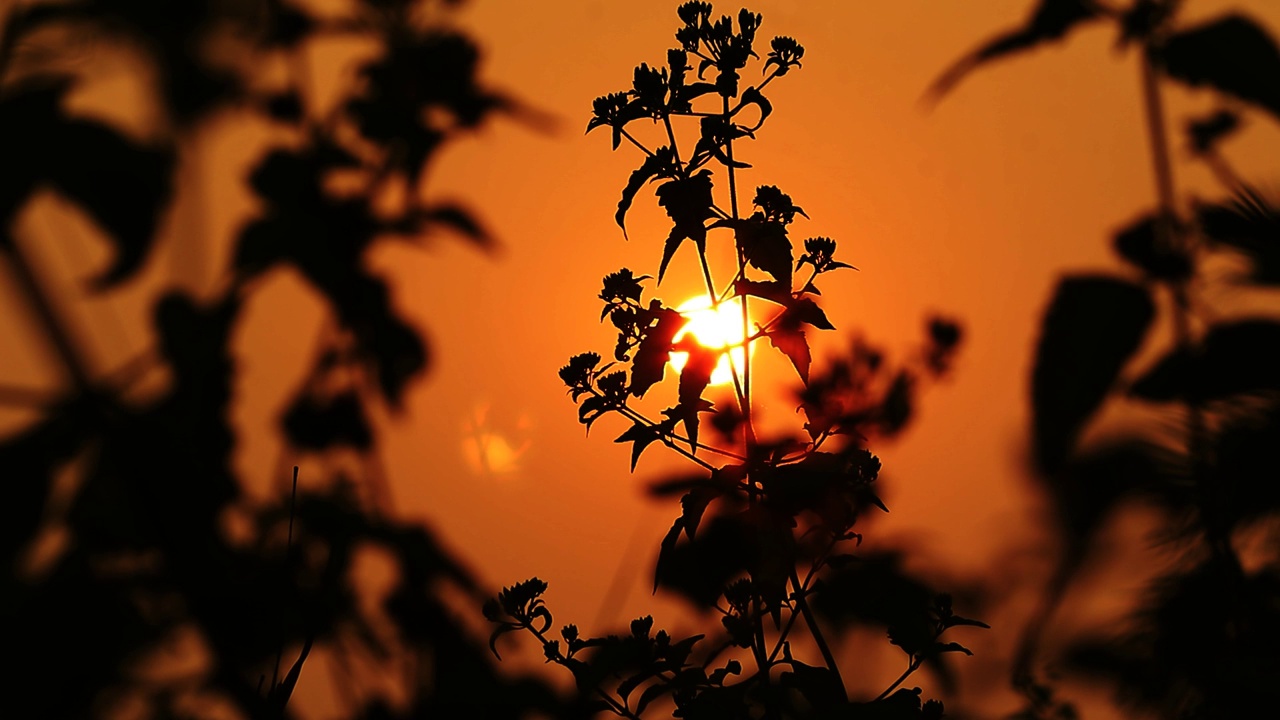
<point>972,209</point>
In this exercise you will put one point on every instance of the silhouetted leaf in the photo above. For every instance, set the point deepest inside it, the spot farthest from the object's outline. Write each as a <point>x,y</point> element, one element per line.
<point>1206,132</point>
<point>642,436</point>
<point>314,423</point>
<point>694,378</point>
<point>458,219</point>
<point>791,342</point>
<point>1051,20</point>
<point>1250,223</point>
<point>1090,330</point>
<point>121,184</point>
<point>1233,55</point>
<point>774,291</point>
<point>1144,245</point>
<point>649,364</point>
<point>752,96</point>
<point>688,204</point>
<point>1234,358</point>
<point>765,246</point>
<point>660,164</point>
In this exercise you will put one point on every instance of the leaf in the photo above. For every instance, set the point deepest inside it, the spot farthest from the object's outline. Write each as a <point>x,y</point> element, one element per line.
<point>649,364</point>
<point>1142,244</point>
<point>1234,358</point>
<point>1250,223</point>
<point>458,219</point>
<point>1092,327</point>
<point>120,184</point>
<point>693,505</point>
<point>315,423</point>
<point>957,621</point>
<point>1051,20</point>
<point>1233,55</point>
<point>665,551</point>
<point>752,96</point>
<point>497,633</point>
<point>765,246</point>
<point>792,343</point>
<point>643,436</point>
<point>774,290</point>
<point>939,648</point>
<point>805,310</point>
<point>694,378</point>
<point>659,164</point>
<point>688,203</point>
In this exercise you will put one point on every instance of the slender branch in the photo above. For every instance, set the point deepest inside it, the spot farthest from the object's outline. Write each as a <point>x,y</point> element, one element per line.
<point>635,142</point>
<point>1167,228</point>
<point>45,311</point>
<point>816,632</point>
<point>912,667</point>
<point>561,660</point>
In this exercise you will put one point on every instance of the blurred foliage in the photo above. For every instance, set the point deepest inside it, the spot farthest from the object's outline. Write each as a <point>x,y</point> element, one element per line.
<point>152,584</point>
<point>1201,643</point>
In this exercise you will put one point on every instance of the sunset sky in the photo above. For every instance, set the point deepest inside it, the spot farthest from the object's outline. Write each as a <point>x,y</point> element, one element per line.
<point>971,208</point>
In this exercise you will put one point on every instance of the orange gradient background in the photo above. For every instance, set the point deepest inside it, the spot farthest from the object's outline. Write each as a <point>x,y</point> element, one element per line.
<point>972,209</point>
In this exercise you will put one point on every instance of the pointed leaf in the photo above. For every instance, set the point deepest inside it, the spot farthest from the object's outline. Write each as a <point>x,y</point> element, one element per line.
<point>752,96</point>
<point>1233,55</point>
<point>792,343</point>
<point>656,165</point>
<point>1051,20</point>
<point>1092,327</point>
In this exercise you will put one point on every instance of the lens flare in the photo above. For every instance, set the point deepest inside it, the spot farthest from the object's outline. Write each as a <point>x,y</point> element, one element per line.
<point>715,328</point>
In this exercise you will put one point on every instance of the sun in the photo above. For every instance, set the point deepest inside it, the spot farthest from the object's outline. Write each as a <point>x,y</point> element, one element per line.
<point>715,328</point>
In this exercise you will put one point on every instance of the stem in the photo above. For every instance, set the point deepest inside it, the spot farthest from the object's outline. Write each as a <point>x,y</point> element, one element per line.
<point>812,622</point>
<point>45,311</point>
<point>560,659</point>
<point>1196,432</point>
<point>635,142</point>
<point>671,135</point>
<point>745,390</point>
<point>669,442</point>
<point>915,665</point>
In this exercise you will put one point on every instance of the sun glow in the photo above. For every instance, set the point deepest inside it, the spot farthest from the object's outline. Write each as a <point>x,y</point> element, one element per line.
<point>716,328</point>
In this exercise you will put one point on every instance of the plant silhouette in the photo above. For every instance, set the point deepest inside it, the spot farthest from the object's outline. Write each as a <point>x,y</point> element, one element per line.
<point>1201,644</point>
<point>767,523</point>
<point>164,556</point>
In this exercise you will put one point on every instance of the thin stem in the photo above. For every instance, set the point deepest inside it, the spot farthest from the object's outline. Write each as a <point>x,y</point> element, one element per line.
<point>1209,501</point>
<point>671,135</point>
<point>912,667</point>
<point>560,659</point>
<point>816,632</point>
<point>745,390</point>
<point>635,142</point>
<point>45,311</point>
<point>668,441</point>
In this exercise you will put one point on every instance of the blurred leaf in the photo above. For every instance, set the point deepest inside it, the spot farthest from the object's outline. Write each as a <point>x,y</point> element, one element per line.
<point>1248,222</point>
<point>1233,55</point>
<point>1234,358</point>
<point>1092,327</point>
<point>765,246</point>
<point>791,342</point>
<point>121,184</point>
<point>1051,21</point>
<point>314,423</point>
<point>458,219</point>
<point>1141,243</point>
<point>1206,132</point>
